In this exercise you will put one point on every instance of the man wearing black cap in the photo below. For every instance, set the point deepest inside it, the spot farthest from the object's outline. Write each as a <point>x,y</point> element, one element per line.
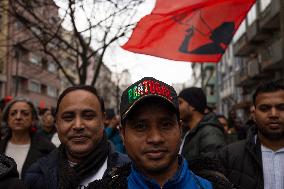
<point>205,133</point>
<point>151,132</point>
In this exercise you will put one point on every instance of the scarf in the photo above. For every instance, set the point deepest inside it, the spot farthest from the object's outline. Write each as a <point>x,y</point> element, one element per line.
<point>70,177</point>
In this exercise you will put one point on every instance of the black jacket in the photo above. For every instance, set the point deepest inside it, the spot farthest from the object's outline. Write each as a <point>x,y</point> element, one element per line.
<point>207,168</point>
<point>242,162</point>
<point>207,136</point>
<point>39,147</point>
<point>9,174</point>
<point>44,173</point>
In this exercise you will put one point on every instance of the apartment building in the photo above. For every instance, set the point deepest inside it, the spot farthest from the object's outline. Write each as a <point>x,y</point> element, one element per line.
<point>29,72</point>
<point>254,56</point>
<point>259,48</point>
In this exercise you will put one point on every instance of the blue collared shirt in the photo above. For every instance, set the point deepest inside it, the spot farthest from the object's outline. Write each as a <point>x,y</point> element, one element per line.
<point>183,179</point>
<point>273,168</point>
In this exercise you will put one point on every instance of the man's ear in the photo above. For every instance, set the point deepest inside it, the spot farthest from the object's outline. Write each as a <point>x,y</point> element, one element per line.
<point>103,118</point>
<point>122,133</point>
<point>180,126</point>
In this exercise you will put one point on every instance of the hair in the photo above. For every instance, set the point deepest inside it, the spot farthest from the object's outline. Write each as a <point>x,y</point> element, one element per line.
<point>42,111</point>
<point>268,87</point>
<point>11,103</point>
<point>2,104</point>
<point>80,87</point>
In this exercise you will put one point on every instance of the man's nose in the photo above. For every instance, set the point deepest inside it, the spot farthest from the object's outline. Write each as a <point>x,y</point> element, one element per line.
<point>78,124</point>
<point>154,136</point>
<point>274,112</point>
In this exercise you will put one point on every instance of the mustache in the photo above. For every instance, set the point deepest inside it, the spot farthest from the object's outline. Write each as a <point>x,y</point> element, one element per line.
<point>78,135</point>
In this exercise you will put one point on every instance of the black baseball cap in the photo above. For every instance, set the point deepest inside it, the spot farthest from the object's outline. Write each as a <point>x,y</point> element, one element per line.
<point>145,88</point>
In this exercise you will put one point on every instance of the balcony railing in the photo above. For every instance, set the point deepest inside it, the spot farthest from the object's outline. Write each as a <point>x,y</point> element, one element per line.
<point>271,56</point>
<point>269,14</point>
<point>253,67</point>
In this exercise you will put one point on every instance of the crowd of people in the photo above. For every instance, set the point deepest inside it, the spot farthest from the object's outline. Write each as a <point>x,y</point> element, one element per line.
<point>159,139</point>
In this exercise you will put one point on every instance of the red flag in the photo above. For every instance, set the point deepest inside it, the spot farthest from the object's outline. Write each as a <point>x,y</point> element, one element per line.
<point>189,30</point>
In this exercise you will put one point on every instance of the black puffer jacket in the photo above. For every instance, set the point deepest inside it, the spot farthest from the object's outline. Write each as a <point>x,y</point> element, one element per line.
<point>207,168</point>
<point>8,174</point>
<point>207,136</point>
<point>242,162</point>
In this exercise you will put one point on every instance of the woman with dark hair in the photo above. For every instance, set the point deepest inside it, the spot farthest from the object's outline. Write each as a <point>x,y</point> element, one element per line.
<point>20,143</point>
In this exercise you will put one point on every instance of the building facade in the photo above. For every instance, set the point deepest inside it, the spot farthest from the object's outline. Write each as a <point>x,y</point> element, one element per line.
<point>27,72</point>
<point>204,76</point>
<point>4,29</point>
<point>254,56</point>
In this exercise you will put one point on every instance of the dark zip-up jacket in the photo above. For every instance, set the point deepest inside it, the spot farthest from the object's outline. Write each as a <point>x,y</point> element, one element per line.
<point>9,177</point>
<point>242,162</point>
<point>44,173</point>
<point>207,136</point>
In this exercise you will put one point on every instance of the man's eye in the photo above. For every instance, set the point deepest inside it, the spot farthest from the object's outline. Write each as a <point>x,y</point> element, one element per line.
<point>67,117</point>
<point>89,116</point>
<point>264,108</point>
<point>280,107</point>
<point>139,127</point>
<point>167,125</point>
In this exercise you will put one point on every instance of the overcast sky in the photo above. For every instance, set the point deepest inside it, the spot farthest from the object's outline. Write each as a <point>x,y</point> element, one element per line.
<point>143,65</point>
<point>139,65</point>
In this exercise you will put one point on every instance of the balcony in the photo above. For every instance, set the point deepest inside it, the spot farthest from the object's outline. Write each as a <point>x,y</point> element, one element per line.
<point>249,74</point>
<point>253,68</point>
<point>255,35</point>
<point>241,77</point>
<point>269,18</point>
<point>243,47</point>
<point>26,70</point>
<point>272,57</point>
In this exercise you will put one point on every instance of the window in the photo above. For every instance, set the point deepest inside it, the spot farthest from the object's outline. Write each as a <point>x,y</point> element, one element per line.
<point>36,31</point>
<point>210,90</point>
<point>252,15</point>
<point>18,25</point>
<point>51,67</point>
<point>34,59</point>
<point>1,66</point>
<point>51,91</point>
<point>264,4</point>
<point>34,86</point>
<point>1,21</point>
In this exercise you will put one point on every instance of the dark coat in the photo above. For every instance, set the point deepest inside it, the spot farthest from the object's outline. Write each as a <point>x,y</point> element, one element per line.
<point>207,136</point>
<point>44,173</point>
<point>207,168</point>
<point>9,174</point>
<point>242,162</point>
<point>40,147</point>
